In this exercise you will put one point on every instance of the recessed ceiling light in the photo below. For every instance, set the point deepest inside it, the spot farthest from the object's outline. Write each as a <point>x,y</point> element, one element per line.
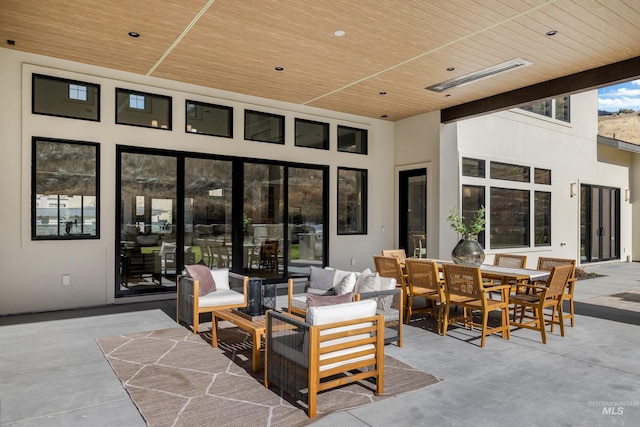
<point>383,93</point>
<point>11,42</point>
<point>134,34</point>
<point>447,95</point>
<point>384,116</point>
<point>279,68</point>
<point>451,68</point>
<point>339,33</point>
<point>552,33</point>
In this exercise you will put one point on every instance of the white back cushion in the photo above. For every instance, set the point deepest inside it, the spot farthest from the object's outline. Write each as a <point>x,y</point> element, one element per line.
<point>221,277</point>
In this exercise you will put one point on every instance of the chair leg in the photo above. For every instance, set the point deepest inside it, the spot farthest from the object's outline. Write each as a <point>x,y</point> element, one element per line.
<point>485,321</point>
<point>572,311</point>
<point>445,321</point>
<point>541,325</point>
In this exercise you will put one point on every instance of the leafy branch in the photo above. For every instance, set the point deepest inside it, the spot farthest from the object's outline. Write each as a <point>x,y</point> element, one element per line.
<point>456,220</point>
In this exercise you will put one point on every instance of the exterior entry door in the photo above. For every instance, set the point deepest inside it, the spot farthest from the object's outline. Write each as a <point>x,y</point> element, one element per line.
<point>599,223</point>
<point>413,212</point>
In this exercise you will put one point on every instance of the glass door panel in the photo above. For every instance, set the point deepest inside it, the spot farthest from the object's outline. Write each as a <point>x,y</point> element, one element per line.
<point>264,219</point>
<point>147,251</point>
<point>413,212</point>
<point>599,223</point>
<point>207,211</point>
<point>306,219</point>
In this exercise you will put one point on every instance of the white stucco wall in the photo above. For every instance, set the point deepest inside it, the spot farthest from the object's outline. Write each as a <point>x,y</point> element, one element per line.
<point>32,270</point>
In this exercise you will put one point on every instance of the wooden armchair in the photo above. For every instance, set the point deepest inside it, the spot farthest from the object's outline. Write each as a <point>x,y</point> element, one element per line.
<point>424,282</point>
<point>547,264</point>
<point>231,292</point>
<point>531,305</point>
<point>336,345</point>
<point>464,288</point>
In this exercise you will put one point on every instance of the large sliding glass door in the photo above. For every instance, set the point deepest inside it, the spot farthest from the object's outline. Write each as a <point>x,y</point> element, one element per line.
<point>148,238</point>
<point>263,219</point>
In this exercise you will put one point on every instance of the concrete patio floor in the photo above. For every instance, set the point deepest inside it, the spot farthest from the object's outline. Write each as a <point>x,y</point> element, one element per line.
<point>53,373</point>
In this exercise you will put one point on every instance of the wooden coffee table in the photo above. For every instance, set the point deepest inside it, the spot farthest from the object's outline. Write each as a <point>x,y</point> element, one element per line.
<point>255,327</point>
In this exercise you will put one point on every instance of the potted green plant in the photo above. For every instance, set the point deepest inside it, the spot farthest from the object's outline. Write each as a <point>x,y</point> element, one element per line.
<point>468,251</point>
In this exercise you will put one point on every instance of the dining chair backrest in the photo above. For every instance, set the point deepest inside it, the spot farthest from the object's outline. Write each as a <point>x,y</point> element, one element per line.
<point>389,267</point>
<point>423,274</point>
<point>558,279</point>
<point>547,264</point>
<point>463,280</point>
<point>396,253</point>
<point>510,260</point>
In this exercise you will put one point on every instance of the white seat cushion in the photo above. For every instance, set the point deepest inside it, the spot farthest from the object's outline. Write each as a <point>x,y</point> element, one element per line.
<point>220,297</point>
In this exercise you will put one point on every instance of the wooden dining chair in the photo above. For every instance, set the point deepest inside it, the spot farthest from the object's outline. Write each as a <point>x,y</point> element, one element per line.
<point>510,260</point>
<point>547,264</point>
<point>388,266</point>
<point>423,281</point>
<point>464,288</point>
<point>397,253</point>
<point>530,306</point>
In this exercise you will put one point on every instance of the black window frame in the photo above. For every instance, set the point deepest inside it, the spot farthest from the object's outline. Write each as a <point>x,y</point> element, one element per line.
<point>278,117</point>
<point>148,108</point>
<point>364,136</point>
<point>227,109</point>
<point>34,186</point>
<point>325,133</point>
<point>96,86</point>
<point>363,201</point>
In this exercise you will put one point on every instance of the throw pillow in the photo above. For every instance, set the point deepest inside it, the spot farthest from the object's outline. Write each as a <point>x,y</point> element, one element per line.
<point>221,278</point>
<point>320,278</point>
<point>368,282</point>
<point>386,284</point>
<point>320,300</point>
<point>201,273</point>
<point>347,284</point>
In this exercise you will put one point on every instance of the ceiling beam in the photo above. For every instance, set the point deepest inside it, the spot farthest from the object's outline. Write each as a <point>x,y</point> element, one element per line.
<point>579,82</point>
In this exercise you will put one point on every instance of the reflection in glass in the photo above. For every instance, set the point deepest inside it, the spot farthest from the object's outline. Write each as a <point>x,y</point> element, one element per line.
<point>306,219</point>
<point>143,109</point>
<point>73,99</point>
<point>207,210</point>
<point>263,219</point>
<point>149,255</point>
<point>473,199</point>
<point>542,218</point>
<point>263,127</point>
<point>510,172</point>
<point>352,140</point>
<point>473,167</point>
<point>312,134</point>
<point>542,176</point>
<point>509,218</point>
<point>209,119</point>
<point>352,201</point>
<point>65,196</point>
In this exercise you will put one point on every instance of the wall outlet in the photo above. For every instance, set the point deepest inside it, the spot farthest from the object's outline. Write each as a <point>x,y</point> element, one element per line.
<point>66,279</point>
<point>353,261</point>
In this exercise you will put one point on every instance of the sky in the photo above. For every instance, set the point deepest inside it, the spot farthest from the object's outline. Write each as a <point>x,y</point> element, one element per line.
<point>624,95</point>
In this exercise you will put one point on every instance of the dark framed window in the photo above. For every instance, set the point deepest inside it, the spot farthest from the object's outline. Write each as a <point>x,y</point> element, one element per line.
<point>539,107</point>
<point>563,110</point>
<point>510,172</point>
<point>143,109</point>
<point>473,167</point>
<point>352,201</point>
<point>473,198</point>
<point>509,218</point>
<point>209,119</point>
<point>352,140</point>
<point>65,185</point>
<point>263,127</point>
<point>312,134</point>
<point>542,218</point>
<point>542,176</point>
<point>73,99</point>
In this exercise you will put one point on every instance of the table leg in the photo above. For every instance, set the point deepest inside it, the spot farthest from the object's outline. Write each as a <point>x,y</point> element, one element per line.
<point>214,332</point>
<point>257,342</point>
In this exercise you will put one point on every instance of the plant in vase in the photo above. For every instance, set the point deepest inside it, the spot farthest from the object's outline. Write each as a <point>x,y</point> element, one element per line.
<point>468,251</point>
<point>246,227</point>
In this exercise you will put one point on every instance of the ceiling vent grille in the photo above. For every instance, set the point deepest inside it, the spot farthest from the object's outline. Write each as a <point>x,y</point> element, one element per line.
<point>479,75</point>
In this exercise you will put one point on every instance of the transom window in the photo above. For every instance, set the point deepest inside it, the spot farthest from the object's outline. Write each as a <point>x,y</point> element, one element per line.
<point>557,108</point>
<point>72,99</point>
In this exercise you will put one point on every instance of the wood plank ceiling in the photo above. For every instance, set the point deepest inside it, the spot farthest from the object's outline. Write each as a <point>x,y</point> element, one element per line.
<point>396,47</point>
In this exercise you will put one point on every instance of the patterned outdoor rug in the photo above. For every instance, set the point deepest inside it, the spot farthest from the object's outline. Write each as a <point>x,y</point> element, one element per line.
<point>176,378</point>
